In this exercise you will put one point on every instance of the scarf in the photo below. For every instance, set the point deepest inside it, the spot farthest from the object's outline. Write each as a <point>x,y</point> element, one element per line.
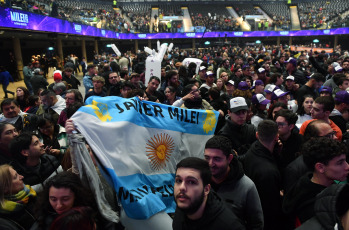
<point>16,202</point>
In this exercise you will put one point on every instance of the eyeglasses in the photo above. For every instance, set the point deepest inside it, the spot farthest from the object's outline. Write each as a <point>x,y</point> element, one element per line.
<point>113,77</point>
<point>281,124</point>
<point>330,135</point>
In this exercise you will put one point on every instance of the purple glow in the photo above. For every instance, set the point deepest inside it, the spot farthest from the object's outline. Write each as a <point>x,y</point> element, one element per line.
<point>13,18</point>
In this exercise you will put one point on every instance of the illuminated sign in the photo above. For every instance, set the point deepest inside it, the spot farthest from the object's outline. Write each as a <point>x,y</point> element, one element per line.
<point>190,35</point>
<point>77,28</point>
<point>20,19</point>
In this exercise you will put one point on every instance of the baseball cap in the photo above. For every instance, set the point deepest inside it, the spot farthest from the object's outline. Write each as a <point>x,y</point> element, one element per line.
<point>292,61</point>
<point>342,96</point>
<point>237,104</point>
<point>278,93</point>
<point>243,86</point>
<point>326,89</point>
<point>261,70</point>
<point>259,99</point>
<point>209,73</point>
<point>338,68</point>
<point>230,82</point>
<point>271,88</point>
<point>202,68</point>
<point>335,64</point>
<point>257,82</point>
<point>290,78</point>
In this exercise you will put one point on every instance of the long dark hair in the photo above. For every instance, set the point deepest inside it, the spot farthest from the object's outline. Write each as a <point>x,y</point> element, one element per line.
<point>25,102</point>
<point>69,180</point>
<point>301,110</point>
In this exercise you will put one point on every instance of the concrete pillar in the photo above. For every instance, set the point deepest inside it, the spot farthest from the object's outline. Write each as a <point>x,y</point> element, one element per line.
<point>335,44</point>
<point>290,41</point>
<point>18,56</point>
<point>278,41</point>
<point>83,48</point>
<point>193,41</point>
<point>60,51</point>
<point>136,46</point>
<point>149,43</point>
<point>96,46</point>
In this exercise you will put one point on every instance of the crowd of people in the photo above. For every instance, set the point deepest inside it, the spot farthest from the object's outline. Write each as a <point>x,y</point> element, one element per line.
<point>310,17</point>
<point>215,22</point>
<point>281,138</point>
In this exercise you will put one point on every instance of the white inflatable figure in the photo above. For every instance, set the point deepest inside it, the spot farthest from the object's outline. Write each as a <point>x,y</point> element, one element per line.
<point>160,221</point>
<point>162,52</point>
<point>158,45</point>
<point>197,61</point>
<point>148,51</point>
<point>116,50</point>
<point>170,47</point>
<point>153,62</point>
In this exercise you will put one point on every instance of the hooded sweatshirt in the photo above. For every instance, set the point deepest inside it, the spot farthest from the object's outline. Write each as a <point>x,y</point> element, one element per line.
<point>299,201</point>
<point>240,194</point>
<point>216,216</point>
<point>330,204</point>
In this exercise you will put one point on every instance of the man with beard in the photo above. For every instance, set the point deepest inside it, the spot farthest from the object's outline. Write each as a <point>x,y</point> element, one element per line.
<point>345,66</point>
<point>172,80</point>
<point>225,68</point>
<point>192,99</point>
<point>230,182</point>
<point>152,89</point>
<point>52,103</point>
<point>72,96</point>
<point>197,206</point>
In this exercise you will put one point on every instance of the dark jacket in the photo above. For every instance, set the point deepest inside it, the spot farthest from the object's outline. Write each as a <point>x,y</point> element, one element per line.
<point>216,216</point>
<point>261,166</point>
<point>293,172</point>
<point>299,201</point>
<point>290,147</point>
<point>305,90</point>
<point>38,174</point>
<point>330,204</point>
<point>299,77</point>
<point>73,81</point>
<point>338,119</point>
<point>241,136</point>
<point>240,194</point>
<point>22,219</point>
<point>38,81</point>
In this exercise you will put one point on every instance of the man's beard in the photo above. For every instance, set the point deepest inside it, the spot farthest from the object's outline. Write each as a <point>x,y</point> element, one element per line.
<point>195,205</point>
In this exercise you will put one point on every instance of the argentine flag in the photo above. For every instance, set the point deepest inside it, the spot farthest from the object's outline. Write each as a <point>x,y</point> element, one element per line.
<point>139,144</point>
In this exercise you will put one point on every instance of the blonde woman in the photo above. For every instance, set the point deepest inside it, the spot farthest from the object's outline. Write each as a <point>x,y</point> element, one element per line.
<point>17,200</point>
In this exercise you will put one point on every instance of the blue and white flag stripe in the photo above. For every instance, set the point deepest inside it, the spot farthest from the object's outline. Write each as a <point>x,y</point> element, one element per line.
<point>139,143</point>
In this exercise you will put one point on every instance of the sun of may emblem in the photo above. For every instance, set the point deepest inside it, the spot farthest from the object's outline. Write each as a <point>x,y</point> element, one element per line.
<point>210,121</point>
<point>159,149</point>
<point>101,110</point>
